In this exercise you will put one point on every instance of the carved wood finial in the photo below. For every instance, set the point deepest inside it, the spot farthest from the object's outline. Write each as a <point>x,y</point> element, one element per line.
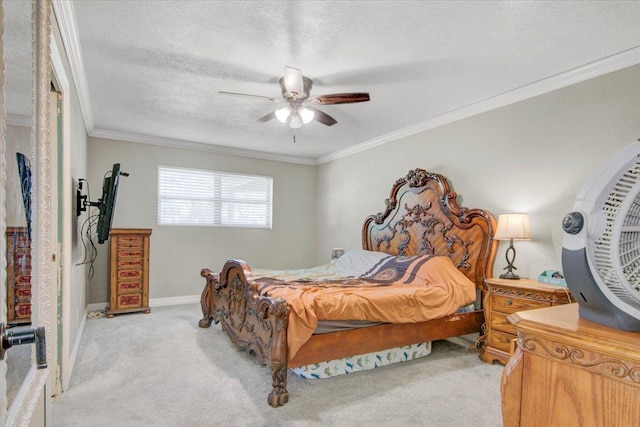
<point>418,177</point>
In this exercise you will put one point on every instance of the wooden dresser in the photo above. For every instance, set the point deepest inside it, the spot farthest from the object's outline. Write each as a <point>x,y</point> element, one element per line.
<point>18,276</point>
<point>569,371</point>
<point>504,297</point>
<point>129,270</point>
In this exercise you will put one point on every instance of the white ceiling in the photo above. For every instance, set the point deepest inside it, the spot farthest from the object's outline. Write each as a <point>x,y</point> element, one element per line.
<point>150,71</point>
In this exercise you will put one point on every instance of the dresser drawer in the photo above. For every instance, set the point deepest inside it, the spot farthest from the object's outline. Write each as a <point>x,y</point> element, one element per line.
<point>501,340</point>
<point>130,253</point>
<point>130,286</point>
<point>22,278</point>
<point>22,310</point>
<point>129,275</point>
<point>23,292</point>
<point>125,242</point>
<point>124,263</point>
<point>510,304</point>
<point>126,301</point>
<point>499,322</point>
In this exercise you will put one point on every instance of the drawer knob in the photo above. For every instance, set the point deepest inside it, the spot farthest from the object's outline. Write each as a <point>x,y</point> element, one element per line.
<point>509,302</point>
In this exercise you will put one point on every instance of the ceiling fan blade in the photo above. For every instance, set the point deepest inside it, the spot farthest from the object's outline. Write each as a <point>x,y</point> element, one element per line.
<point>268,98</point>
<point>322,117</point>
<point>267,117</point>
<point>342,98</point>
<point>293,81</point>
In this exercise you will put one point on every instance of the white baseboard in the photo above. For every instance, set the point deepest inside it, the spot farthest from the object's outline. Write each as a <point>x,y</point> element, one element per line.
<point>185,299</point>
<point>153,302</point>
<point>74,353</point>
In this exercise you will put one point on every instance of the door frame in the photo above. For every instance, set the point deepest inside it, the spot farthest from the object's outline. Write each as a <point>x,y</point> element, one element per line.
<point>30,394</point>
<point>63,308</point>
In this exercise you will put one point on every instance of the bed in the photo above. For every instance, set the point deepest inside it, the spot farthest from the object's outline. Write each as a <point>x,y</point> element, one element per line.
<point>421,224</point>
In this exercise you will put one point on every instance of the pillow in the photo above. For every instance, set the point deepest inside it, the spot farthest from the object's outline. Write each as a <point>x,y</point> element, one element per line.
<point>357,262</point>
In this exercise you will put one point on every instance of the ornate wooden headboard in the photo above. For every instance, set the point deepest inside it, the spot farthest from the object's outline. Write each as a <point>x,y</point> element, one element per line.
<point>423,217</point>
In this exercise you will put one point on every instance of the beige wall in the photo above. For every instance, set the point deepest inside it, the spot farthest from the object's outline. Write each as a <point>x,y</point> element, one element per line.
<point>532,156</point>
<point>78,169</point>
<point>179,253</point>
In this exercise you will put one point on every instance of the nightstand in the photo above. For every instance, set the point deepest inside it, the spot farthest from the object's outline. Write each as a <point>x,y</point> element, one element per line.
<point>504,297</point>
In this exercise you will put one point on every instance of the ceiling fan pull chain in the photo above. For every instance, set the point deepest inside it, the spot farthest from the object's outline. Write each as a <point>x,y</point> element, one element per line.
<point>294,136</point>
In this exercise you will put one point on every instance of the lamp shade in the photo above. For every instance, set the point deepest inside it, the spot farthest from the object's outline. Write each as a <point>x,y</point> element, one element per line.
<point>513,226</point>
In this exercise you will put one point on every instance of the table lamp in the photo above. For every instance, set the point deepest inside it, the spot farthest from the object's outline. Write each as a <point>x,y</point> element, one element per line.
<point>513,226</point>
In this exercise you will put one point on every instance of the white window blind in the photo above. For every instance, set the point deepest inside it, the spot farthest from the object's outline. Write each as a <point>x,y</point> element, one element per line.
<point>209,198</point>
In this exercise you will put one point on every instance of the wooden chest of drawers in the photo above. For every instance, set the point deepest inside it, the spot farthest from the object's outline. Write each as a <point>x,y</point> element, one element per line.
<point>18,276</point>
<point>504,297</point>
<point>129,271</point>
<point>568,371</point>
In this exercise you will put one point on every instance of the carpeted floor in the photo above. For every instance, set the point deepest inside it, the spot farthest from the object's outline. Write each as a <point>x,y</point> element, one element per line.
<point>161,369</point>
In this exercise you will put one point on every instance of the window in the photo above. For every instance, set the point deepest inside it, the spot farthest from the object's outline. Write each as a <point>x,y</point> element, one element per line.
<point>209,198</point>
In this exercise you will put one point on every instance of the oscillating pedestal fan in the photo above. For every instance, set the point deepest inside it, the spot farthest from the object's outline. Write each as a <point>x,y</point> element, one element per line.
<point>601,246</point>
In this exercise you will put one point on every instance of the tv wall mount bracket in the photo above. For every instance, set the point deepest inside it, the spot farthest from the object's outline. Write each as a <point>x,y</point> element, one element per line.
<point>82,200</point>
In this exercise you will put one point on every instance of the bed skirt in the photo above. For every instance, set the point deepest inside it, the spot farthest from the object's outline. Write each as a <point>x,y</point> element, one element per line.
<point>363,362</point>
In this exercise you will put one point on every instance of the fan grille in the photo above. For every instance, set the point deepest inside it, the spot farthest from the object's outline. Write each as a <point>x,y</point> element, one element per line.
<point>629,241</point>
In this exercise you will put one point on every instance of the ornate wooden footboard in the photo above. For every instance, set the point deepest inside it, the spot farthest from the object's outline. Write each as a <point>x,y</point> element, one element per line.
<point>254,323</point>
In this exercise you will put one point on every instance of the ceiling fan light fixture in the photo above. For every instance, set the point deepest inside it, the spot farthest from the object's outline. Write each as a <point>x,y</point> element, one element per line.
<point>295,122</point>
<point>306,115</point>
<point>282,114</point>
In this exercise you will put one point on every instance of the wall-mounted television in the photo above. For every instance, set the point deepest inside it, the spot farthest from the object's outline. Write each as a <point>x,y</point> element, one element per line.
<point>24,170</point>
<point>108,203</point>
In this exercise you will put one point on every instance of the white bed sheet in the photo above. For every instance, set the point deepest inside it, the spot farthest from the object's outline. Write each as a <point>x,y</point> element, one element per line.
<point>353,263</point>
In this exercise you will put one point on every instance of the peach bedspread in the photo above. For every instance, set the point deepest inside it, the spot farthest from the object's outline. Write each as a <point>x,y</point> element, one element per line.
<point>395,290</point>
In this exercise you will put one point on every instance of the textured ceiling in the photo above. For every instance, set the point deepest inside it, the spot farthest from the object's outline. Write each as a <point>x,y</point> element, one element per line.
<point>153,69</point>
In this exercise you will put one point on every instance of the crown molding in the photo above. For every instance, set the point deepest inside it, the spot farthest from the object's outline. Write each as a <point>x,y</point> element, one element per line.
<point>198,146</point>
<point>66,19</point>
<point>585,72</point>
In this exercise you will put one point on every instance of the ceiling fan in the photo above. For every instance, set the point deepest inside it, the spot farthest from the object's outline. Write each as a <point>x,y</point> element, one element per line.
<point>299,109</point>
